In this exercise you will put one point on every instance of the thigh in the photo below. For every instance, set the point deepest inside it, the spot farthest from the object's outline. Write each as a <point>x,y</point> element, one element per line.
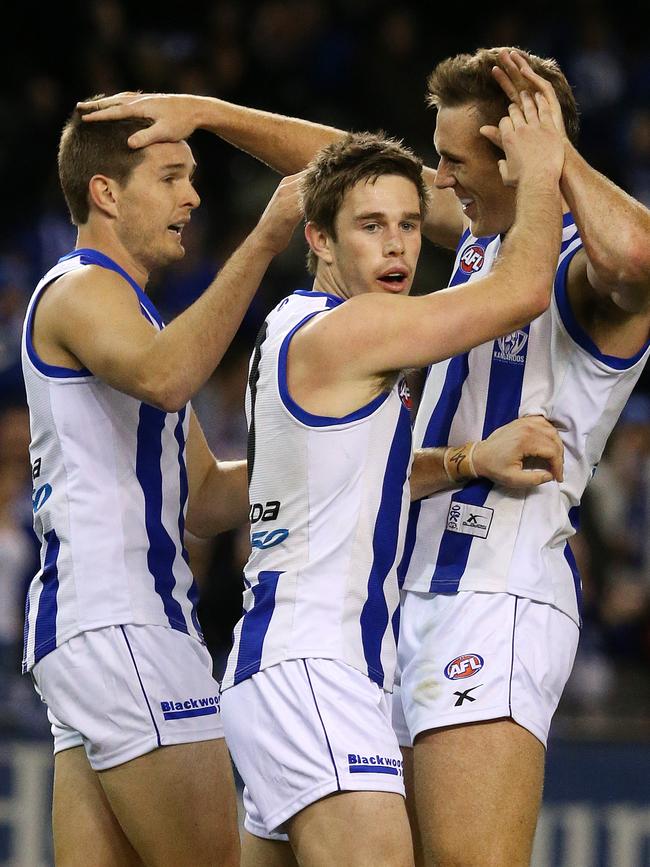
<point>177,805</point>
<point>82,819</point>
<point>358,829</point>
<point>259,852</point>
<point>478,791</point>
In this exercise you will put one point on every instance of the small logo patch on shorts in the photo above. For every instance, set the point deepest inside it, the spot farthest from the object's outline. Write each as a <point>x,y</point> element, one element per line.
<point>189,707</point>
<point>374,765</point>
<point>466,665</point>
<point>466,518</point>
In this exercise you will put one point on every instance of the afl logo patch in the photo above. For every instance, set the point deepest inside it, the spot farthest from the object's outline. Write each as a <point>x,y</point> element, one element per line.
<point>472,259</point>
<point>466,665</point>
<point>405,394</point>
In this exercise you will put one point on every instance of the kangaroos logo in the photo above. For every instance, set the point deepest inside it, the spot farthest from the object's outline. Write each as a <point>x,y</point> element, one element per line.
<point>405,394</point>
<point>472,259</point>
<point>466,665</point>
<point>511,347</point>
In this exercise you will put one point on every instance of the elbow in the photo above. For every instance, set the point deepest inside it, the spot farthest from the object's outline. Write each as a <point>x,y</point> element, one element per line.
<point>164,394</point>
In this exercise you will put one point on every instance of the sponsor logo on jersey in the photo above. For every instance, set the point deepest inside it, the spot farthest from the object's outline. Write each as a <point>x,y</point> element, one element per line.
<point>376,764</point>
<point>189,707</point>
<point>465,665</point>
<point>511,347</point>
<point>262,539</point>
<point>268,511</point>
<point>469,519</point>
<point>472,259</point>
<point>405,394</point>
<point>40,497</point>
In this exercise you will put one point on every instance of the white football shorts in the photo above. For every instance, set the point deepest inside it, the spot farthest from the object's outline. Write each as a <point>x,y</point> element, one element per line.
<point>123,691</point>
<point>471,656</point>
<point>303,729</point>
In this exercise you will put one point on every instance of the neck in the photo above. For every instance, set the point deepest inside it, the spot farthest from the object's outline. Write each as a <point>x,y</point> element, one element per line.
<point>97,238</point>
<point>325,281</point>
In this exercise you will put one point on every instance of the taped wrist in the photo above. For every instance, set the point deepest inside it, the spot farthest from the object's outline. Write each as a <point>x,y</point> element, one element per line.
<point>458,462</point>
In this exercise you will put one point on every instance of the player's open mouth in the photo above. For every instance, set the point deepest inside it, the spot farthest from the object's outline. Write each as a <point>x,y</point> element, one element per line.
<point>177,228</point>
<point>466,203</point>
<point>393,279</point>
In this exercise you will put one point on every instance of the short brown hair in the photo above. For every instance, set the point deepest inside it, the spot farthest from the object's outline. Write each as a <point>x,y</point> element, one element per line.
<point>468,78</point>
<point>87,149</point>
<point>339,166</point>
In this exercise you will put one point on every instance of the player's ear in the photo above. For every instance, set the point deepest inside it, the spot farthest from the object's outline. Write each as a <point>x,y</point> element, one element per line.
<point>319,242</point>
<point>102,194</point>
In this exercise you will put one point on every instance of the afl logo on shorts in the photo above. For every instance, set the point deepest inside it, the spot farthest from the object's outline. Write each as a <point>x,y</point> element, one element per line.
<point>472,259</point>
<point>463,666</point>
<point>405,394</point>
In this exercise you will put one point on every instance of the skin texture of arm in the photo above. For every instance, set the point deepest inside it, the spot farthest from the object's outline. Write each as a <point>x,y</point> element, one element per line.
<point>286,144</point>
<point>501,458</point>
<point>218,490</point>
<point>108,335</point>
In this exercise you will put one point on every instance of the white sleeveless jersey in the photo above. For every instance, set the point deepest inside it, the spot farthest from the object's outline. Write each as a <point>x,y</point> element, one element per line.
<point>110,495</point>
<point>482,537</point>
<point>329,503</point>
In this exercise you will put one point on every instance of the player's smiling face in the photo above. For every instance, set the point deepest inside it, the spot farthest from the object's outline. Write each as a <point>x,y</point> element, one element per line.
<point>469,165</point>
<point>156,203</point>
<point>377,238</point>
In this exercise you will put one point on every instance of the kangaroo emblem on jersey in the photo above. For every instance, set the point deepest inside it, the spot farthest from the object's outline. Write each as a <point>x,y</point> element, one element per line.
<point>472,259</point>
<point>511,347</point>
<point>405,394</point>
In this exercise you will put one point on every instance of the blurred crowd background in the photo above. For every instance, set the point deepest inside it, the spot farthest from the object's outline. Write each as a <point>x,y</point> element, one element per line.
<point>358,65</point>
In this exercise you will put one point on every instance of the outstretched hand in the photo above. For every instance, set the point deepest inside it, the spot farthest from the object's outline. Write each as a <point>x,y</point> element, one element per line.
<point>174,115</point>
<point>529,138</point>
<point>516,76</point>
<point>282,214</point>
<point>504,456</point>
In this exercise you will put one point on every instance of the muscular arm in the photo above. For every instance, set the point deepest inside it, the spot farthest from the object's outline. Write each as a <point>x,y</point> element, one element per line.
<point>94,317</point>
<point>525,453</point>
<point>286,144</point>
<point>609,284</point>
<point>218,490</point>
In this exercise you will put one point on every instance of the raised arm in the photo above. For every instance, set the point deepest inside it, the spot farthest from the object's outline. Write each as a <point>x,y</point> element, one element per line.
<point>108,335</point>
<point>614,227</point>
<point>286,144</point>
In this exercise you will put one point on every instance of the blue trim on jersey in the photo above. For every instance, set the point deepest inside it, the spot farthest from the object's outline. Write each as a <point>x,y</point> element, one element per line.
<point>375,615</point>
<point>567,220</point>
<point>310,293</point>
<point>45,628</point>
<point>576,331</point>
<point>297,411</point>
<point>409,541</point>
<point>55,371</point>
<point>437,431</point>
<point>256,625</point>
<point>574,518</point>
<point>88,256</point>
<point>162,550</point>
<point>193,591</point>
<point>502,407</point>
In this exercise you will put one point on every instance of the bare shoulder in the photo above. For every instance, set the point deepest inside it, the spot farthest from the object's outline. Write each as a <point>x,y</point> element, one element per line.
<point>84,290</point>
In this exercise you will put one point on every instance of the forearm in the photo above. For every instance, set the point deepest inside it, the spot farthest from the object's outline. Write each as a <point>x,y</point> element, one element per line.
<point>614,227</point>
<point>185,353</point>
<point>436,469</point>
<point>286,144</point>
<point>222,501</point>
